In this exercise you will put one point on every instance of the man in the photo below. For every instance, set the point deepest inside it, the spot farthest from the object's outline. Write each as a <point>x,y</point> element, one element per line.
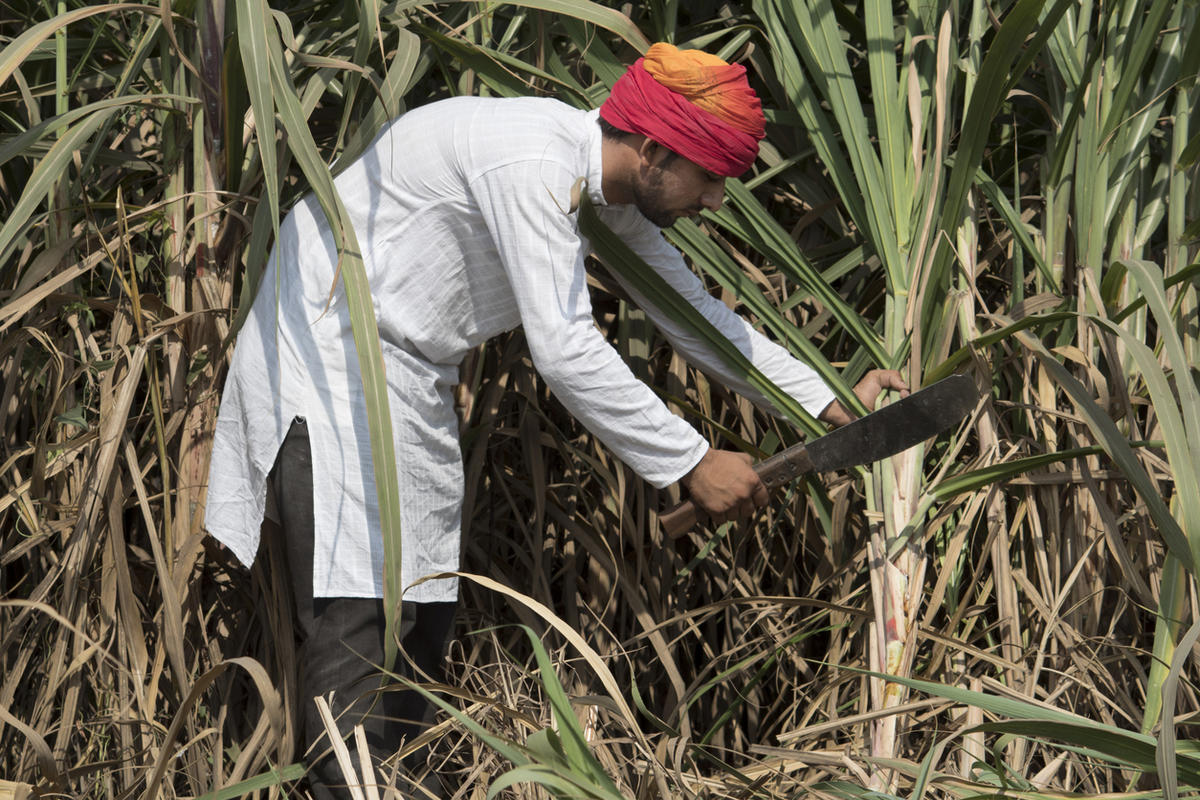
<point>462,209</point>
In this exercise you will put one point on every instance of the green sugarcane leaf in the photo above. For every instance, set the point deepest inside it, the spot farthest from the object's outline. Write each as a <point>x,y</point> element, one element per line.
<point>710,259</point>
<point>1018,227</point>
<point>558,784</point>
<point>580,96</point>
<point>959,357</point>
<point>501,72</point>
<point>1191,152</point>
<point>785,38</point>
<point>1145,43</point>
<point>755,224</point>
<point>1170,765</point>
<point>266,780</point>
<point>1011,48</point>
<point>568,741</point>
<point>1007,470</point>
<point>1117,447</point>
<point>369,35</point>
<point>1134,129</point>
<point>609,19</point>
<point>1099,741</point>
<point>73,417</point>
<point>1173,593</point>
<point>352,273</point>
<point>545,746</point>
<point>20,144</point>
<point>1177,403</point>
<point>622,260</point>
<point>48,171</point>
<point>819,42</point>
<point>1009,707</point>
<point>254,26</point>
<point>1095,743</point>
<point>390,103</point>
<point>890,121</point>
<point>1152,287</point>
<point>509,750</point>
<point>17,51</point>
<point>598,55</point>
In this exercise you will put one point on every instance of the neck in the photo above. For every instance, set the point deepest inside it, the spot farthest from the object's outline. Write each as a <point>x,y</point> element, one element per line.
<point>618,160</point>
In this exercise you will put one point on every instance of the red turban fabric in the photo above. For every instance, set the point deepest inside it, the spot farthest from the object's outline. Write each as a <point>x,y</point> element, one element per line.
<point>692,103</point>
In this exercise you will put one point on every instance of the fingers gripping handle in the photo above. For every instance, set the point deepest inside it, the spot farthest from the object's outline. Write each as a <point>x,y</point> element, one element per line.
<point>776,471</point>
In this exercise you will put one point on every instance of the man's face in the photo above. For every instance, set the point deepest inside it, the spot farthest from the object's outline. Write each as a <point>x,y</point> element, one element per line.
<point>670,187</point>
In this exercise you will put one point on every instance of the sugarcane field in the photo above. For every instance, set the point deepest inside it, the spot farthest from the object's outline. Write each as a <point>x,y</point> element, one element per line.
<point>722,400</point>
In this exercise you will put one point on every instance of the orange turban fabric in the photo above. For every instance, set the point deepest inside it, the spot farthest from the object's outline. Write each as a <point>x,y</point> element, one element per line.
<point>692,103</point>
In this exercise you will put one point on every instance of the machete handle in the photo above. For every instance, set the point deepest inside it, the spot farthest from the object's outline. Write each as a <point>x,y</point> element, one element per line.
<point>881,434</point>
<point>680,519</point>
<point>774,472</point>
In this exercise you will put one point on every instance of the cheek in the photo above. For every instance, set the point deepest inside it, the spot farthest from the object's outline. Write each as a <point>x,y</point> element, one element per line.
<point>680,190</point>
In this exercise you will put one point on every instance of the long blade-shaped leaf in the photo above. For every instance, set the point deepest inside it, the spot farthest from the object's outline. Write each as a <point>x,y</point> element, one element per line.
<point>822,133</point>
<point>574,743</point>
<point>366,335</point>
<point>1143,44</point>
<point>709,258</point>
<point>1002,64</point>
<point>890,123</point>
<point>19,49</point>
<point>1118,449</point>
<point>756,225</point>
<point>608,18</point>
<point>48,171</point>
<point>618,256</point>
<point>820,43</point>
<point>254,25</point>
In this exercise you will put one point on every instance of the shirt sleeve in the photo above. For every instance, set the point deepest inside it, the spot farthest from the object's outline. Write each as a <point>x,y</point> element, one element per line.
<point>526,207</point>
<point>793,376</point>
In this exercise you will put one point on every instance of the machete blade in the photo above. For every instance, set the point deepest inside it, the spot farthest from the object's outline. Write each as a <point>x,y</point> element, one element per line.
<point>897,426</point>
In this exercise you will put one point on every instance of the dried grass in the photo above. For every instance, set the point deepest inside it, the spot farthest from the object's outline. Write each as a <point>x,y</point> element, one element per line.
<point>137,659</point>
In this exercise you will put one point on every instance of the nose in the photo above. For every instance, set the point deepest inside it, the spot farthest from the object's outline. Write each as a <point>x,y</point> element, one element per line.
<point>713,196</point>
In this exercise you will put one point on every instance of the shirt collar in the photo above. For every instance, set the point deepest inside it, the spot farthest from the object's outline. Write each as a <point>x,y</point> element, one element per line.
<point>595,169</point>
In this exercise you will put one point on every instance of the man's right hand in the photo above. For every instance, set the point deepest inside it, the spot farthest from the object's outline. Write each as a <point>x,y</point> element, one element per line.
<point>725,486</point>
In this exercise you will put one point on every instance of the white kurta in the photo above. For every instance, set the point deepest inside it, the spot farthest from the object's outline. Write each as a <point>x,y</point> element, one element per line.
<point>461,210</point>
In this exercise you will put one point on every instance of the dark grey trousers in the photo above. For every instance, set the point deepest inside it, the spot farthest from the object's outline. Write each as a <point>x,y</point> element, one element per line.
<point>340,641</point>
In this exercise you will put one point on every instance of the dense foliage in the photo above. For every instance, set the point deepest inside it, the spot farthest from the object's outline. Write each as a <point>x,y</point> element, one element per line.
<point>1002,189</point>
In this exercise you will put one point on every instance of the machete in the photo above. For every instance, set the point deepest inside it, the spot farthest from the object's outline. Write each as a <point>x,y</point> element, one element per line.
<point>890,430</point>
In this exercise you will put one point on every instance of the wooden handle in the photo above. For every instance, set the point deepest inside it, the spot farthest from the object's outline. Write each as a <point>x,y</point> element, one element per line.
<point>680,519</point>
<point>776,471</point>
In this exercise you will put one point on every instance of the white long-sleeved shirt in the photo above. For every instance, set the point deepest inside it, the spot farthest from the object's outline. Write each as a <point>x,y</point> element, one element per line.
<point>461,209</point>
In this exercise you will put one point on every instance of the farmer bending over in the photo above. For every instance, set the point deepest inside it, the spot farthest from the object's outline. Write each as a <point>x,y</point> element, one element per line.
<point>463,212</point>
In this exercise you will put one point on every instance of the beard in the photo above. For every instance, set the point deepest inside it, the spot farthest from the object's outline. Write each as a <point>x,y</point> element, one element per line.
<point>649,197</point>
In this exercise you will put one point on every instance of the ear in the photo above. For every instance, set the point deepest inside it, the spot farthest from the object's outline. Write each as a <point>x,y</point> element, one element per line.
<point>650,152</point>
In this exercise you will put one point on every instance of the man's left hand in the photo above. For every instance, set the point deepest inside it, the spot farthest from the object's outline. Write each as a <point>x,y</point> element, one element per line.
<point>867,390</point>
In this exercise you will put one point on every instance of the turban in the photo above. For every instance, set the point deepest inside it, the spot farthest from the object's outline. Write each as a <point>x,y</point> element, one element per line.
<point>693,103</point>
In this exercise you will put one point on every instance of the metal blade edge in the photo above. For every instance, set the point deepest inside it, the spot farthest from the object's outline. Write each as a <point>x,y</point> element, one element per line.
<point>897,426</point>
